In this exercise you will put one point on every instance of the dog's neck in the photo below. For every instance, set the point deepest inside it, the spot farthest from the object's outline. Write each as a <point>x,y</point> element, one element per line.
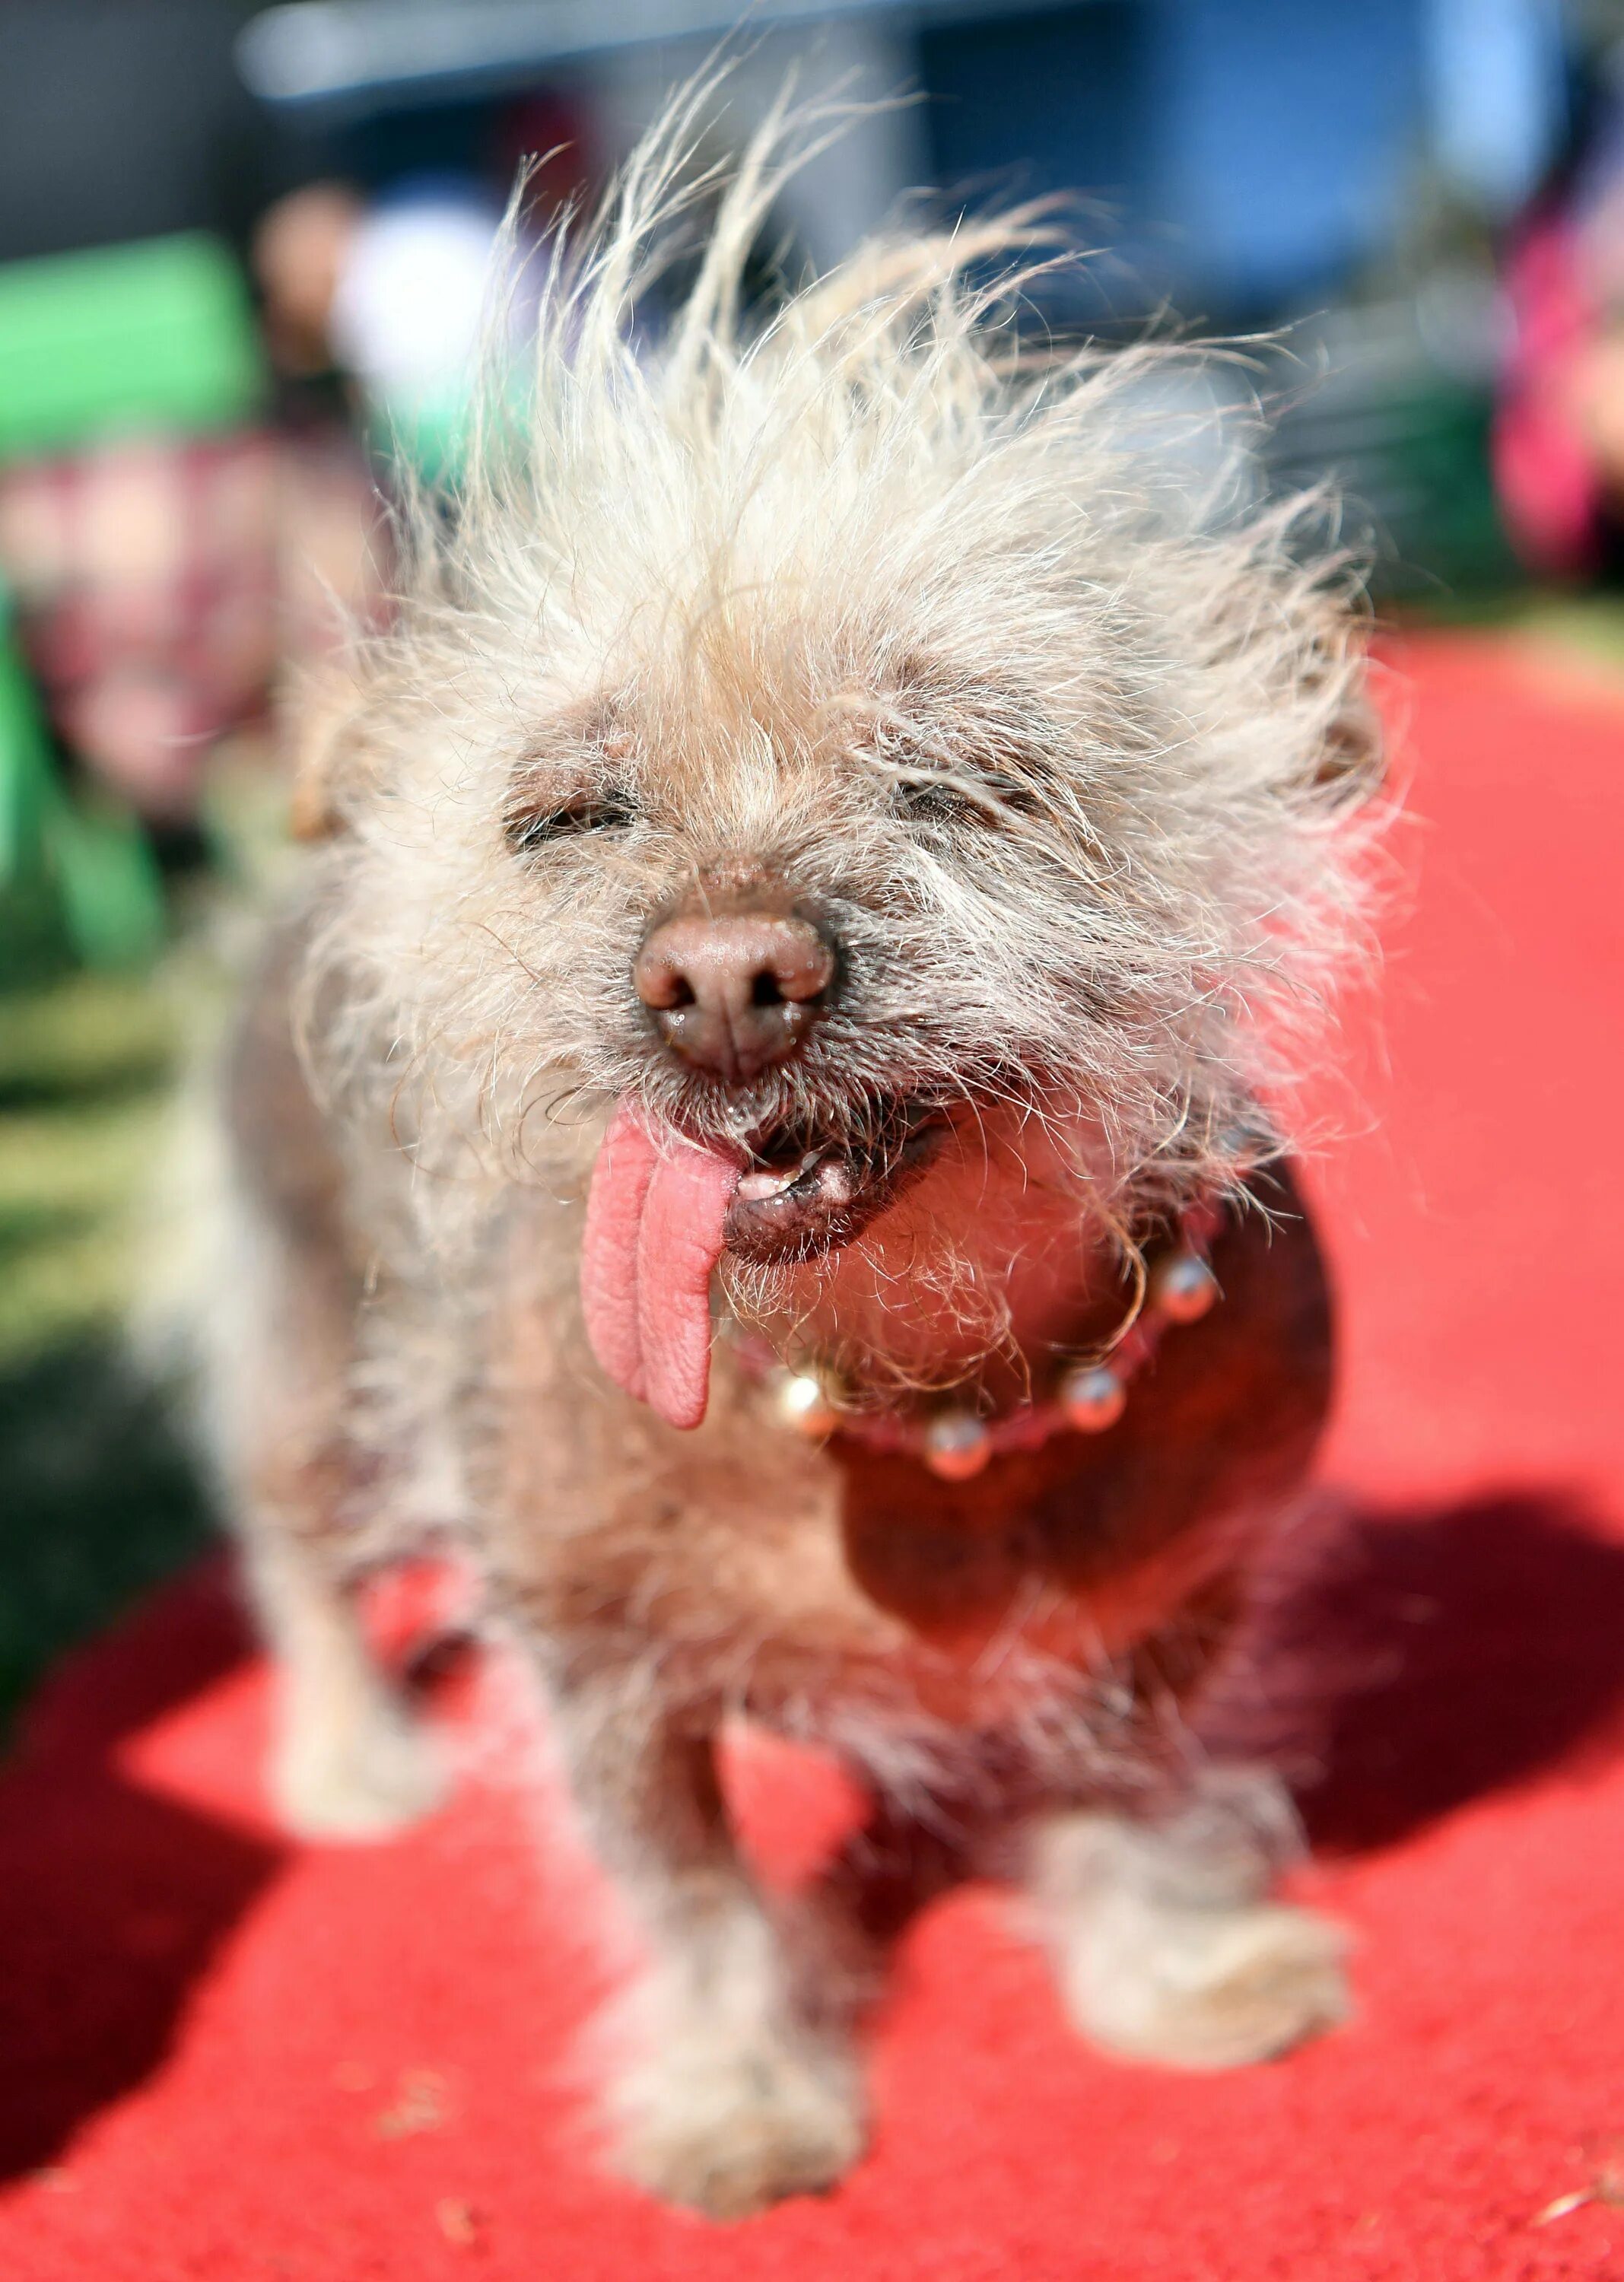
<point>997,1259</point>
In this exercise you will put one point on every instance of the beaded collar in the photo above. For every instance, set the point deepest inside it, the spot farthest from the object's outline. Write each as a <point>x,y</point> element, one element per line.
<point>954,1441</point>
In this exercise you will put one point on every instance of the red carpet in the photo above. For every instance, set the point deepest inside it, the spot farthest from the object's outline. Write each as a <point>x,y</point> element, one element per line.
<point>222,2057</point>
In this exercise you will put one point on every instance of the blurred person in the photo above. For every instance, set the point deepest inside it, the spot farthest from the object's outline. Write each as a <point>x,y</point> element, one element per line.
<point>144,571</point>
<point>163,572</point>
<point>389,292</point>
<point>1559,428</point>
<point>138,534</point>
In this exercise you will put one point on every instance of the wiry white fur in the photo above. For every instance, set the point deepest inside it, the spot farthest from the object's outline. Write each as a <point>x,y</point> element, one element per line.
<point>754,580</point>
<point>872,599</point>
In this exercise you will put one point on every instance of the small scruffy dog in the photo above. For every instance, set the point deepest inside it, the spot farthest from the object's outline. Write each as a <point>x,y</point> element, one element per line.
<point>753,1125</point>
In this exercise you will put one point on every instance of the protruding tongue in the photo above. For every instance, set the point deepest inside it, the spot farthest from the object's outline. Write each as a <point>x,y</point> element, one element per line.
<point>654,1233</point>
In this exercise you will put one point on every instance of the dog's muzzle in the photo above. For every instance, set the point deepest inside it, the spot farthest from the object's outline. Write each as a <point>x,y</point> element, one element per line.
<point>735,980</point>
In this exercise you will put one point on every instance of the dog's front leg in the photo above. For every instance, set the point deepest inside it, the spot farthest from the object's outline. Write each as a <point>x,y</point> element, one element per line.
<point>350,1759</point>
<point>734,2081</point>
<point>1166,1944</point>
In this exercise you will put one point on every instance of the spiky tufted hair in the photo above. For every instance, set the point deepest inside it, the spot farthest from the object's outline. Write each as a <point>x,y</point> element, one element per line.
<point>869,595</point>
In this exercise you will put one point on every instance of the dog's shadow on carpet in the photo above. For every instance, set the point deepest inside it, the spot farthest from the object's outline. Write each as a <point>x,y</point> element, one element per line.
<point>1400,1664</point>
<point>113,1899</point>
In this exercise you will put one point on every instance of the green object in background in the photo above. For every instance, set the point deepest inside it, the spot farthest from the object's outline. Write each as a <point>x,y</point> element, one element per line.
<point>112,898</point>
<point>125,338</point>
<point>98,1497</point>
<point>90,855</point>
<point>429,435</point>
<point>24,761</point>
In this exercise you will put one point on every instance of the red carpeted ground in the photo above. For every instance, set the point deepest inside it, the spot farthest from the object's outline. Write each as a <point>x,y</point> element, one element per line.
<point>224,2057</point>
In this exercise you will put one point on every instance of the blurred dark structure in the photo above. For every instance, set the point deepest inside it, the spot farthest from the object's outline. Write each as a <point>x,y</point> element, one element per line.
<point>123,120</point>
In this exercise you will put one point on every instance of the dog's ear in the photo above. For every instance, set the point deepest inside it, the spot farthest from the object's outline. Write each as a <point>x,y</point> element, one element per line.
<point>1352,764</point>
<point>326,728</point>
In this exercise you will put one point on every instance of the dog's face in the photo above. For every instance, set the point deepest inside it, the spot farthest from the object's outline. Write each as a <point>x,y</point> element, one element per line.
<point>839,752</point>
<point>814,904</point>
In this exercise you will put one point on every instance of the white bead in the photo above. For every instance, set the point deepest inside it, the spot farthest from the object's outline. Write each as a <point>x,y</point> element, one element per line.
<point>957,1445</point>
<point>1092,1397</point>
<point>803,1404</point>
<point>1182,1287</point>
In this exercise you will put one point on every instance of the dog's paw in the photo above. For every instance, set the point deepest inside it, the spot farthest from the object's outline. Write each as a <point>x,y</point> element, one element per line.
<point>365,1777</point>
<point>734,2133</point>
<point>1203,1988</point>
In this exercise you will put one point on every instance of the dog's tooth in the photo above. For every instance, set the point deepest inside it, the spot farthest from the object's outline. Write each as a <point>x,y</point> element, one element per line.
<point>753,1188</point>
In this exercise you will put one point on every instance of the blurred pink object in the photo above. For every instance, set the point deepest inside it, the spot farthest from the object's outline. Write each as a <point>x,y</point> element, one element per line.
<point>1551,483</point>
<point>160,583</point>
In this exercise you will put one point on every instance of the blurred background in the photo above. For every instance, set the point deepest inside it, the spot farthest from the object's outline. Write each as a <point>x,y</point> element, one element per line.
<point>242,253</point>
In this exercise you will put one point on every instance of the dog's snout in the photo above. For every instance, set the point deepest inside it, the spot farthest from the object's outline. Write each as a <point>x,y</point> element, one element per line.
<point>735,992</point>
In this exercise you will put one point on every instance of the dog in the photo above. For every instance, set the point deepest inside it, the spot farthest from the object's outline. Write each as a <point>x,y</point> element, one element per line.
<point>752,1123</point>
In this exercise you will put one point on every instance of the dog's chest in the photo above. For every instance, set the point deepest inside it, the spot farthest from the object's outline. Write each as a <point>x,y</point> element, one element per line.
<point>750,1564</point>
<point>745,1557</point>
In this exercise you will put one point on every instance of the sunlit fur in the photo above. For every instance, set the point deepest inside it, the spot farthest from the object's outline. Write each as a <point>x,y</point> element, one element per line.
<point>760,579</point>
<point>873,596</point>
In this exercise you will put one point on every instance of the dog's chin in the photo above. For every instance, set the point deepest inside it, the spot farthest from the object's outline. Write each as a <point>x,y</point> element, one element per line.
<point>803,1197</point>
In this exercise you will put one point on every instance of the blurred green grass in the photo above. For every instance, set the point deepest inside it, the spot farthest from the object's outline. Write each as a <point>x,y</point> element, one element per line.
<point>98,1497</point>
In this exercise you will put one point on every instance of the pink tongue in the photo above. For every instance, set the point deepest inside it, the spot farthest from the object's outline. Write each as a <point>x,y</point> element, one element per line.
<point>654,1233</point>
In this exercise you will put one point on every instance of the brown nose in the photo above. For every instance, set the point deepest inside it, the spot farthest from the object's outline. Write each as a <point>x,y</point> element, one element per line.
<point>734,993</point>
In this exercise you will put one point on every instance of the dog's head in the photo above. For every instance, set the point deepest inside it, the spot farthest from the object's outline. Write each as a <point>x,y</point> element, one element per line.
<point>825,741</point>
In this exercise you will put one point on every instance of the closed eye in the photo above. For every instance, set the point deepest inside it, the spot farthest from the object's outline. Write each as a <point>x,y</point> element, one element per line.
<point>940,797</point>
<point>531,827</point>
